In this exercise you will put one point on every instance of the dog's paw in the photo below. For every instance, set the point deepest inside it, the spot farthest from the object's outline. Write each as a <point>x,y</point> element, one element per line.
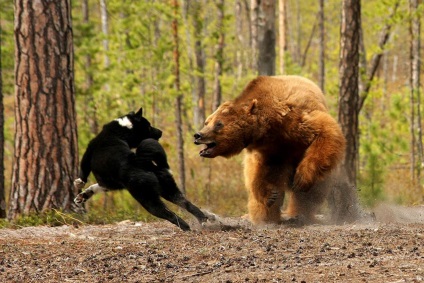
<point>79,184</point>
<point>80,198</point>
<point>212,225</point>
<point>210,216</point>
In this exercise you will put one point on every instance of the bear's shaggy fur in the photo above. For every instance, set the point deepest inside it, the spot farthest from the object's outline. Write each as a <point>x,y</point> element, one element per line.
<point>292,144</point>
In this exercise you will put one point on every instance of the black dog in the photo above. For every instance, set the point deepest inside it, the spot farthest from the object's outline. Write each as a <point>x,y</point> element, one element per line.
<point>145,174</point>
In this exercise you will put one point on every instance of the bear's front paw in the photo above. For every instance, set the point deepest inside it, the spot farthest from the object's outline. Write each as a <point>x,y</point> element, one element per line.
<point>79,184</point>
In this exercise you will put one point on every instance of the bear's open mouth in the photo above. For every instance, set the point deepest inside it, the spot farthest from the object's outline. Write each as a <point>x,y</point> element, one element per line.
<point>207,151</point>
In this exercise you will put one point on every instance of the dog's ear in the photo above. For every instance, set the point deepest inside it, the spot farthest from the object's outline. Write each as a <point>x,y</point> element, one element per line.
<point>139,113</point>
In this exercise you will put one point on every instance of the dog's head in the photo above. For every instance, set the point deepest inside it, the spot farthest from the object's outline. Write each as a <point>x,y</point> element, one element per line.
<point>136,128</point>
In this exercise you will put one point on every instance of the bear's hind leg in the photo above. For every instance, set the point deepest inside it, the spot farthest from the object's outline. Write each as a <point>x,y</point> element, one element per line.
<point>305,205</point>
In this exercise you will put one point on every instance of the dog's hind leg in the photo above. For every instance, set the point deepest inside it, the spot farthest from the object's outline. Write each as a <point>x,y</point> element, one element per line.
<point>152,203</point>
<point>182,202</point>
<point>171,192</point>
<point>89,192</point>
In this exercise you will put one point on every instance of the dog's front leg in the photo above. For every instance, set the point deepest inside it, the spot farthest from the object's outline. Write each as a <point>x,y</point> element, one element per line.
<point>79,184</point>
<point>88,193</point>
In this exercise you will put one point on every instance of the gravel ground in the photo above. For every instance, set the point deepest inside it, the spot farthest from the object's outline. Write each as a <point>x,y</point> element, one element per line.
<point>387,249</point>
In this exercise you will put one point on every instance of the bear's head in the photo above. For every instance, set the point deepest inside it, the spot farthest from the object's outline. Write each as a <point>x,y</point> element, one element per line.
<point>228,130</point>
<point>134,128</point>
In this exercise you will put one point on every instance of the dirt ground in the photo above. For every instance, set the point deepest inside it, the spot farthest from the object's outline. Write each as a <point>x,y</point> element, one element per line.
<point>388,249</point>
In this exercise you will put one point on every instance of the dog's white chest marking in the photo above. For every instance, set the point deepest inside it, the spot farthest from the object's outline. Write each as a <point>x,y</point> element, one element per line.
<point>125,122</point>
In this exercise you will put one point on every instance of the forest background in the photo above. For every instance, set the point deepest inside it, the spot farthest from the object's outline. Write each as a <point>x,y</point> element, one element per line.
<point>123,61</point>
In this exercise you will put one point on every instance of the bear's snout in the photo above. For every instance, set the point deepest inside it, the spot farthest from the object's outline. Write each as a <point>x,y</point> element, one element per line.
<point>197,136</point>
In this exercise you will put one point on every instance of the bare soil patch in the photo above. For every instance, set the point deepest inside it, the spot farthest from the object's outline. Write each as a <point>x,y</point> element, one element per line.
<point>389,249</point>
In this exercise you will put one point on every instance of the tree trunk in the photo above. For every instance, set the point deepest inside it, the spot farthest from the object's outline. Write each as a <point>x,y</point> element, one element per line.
<point>349,73</point>
<point>266,37</point>
<point>294,32</point>
<point>199,106</point>
<point>219,57</point>
<point>186,11</point>
<point>105,30</point>
<point>254,31</point>
<point>240,40</point>
<point>281,34</point>
<point>250,59</point>
<point>108,198</point>
<point>90,105</point>
<point>2,188</point>
<point>416,134</point>
<point>344,199</point>
<point>321,62</point>
<point>179,98</point>
<point>308,44</point>
<point>46,148</point>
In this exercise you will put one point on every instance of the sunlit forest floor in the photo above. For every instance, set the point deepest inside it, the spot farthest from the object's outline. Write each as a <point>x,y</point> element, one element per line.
<point>387,249</point>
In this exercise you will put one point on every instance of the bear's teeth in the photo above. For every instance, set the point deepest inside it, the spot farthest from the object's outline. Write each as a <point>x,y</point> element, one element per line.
<point>207,150</point>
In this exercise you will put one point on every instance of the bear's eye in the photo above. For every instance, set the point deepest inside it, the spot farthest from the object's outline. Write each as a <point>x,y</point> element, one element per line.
<point>218,126</point>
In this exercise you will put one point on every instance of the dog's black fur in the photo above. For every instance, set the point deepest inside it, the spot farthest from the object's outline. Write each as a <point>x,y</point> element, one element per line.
<point>145,174</point>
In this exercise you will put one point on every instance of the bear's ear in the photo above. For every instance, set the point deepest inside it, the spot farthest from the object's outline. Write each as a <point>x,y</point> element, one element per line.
<point>253,106</point>
<point>139,112</point>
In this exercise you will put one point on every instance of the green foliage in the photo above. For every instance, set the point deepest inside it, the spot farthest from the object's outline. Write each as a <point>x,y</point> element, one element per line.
<point>382,141</point>
<point>7,43</point>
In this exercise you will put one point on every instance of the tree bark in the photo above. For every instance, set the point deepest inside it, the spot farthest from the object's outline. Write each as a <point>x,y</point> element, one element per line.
<point>186,11</point>
<point>108,198</point>
<point>46,148</point>
<point>415,71</point>
<point>199,106</point>
<point>281,34</point>
<point>90,105</point>
<point>308,44</point>
<point>343,198</point>
<point>240,39</point>
<point>2,188</point>
<point>266,37</point>
<point>254,23</point>
<point>105,30</point>
<point>179,98</point>
<point>321,62</point>
<point>349,74</point>
<point>219,55</point>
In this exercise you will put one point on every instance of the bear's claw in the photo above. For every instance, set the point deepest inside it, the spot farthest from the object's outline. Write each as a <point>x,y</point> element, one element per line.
<point>272,198</point>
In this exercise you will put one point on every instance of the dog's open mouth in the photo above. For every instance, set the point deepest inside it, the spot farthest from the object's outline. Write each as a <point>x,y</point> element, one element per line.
<point>207,151</point>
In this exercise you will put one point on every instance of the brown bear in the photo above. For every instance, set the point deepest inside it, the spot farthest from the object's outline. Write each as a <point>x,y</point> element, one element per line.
<point>292,144</point>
